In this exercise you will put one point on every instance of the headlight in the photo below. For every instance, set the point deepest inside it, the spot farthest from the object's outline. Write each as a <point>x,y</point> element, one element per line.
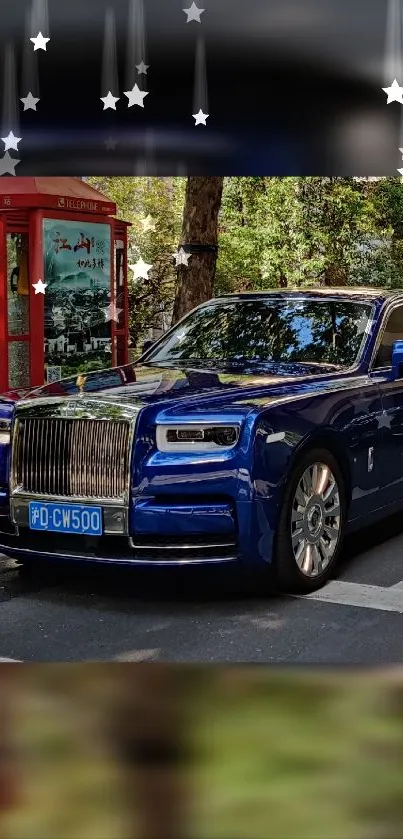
<point>5,431</point>
<point>196,437</point>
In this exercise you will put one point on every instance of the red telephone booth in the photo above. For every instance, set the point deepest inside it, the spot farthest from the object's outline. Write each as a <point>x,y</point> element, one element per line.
<point>63,232</point>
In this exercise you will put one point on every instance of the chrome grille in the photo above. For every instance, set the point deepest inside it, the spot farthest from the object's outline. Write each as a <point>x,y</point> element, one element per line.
<point>76,458</point>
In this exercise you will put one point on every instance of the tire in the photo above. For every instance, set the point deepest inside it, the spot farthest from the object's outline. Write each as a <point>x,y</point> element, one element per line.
<point>310,537</point>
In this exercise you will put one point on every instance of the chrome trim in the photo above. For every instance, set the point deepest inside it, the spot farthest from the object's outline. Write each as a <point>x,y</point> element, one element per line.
<point>115,516</point>
<point>36,469</point>
<point>385,313</point>
<point>86,484</point>
<point>117,561</point>
<point>176,547</point>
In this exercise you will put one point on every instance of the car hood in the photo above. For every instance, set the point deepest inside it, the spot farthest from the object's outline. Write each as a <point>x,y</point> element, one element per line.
<point>142,384</point>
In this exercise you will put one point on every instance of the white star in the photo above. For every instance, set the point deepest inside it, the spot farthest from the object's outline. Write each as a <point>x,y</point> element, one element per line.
<point>40,287</point>
<point>181,257</point>
<point>193,13</point>
<point>363,325</point>
<point>395,93</point>
<point>8,164</point>
<point>39,42</point>
<point>11,142</point>
<point>400,172</point>
<point>30,102</point>
<point>401,151</point>
<point>180,336</point>
<point>110,144</point>
<point>147,224</point>
<point>112,313</point>
<point>384,420</point>
<point>140,270</point>
<point>110,101</point>
<point>142,68</point>
<point>200,118</point>
<point>136,96</point>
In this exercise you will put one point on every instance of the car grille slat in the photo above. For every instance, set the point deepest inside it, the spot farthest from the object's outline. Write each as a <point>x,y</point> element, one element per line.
<point>75,458</point>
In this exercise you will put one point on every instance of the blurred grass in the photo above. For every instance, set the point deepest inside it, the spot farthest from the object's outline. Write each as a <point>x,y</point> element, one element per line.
<point>277,755</point>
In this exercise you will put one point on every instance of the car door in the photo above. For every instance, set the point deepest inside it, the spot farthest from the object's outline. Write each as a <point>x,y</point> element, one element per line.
<point>391,489</point>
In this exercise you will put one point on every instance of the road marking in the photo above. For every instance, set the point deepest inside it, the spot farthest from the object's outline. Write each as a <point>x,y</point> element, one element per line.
<point>11,660</point>
<point>137,655</point>
<point>356,594</point>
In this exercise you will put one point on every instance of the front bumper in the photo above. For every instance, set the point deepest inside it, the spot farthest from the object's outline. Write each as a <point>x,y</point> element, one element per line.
<point>153,534</point>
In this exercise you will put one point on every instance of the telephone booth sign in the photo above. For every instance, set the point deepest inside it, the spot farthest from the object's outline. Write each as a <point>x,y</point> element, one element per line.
<point>63,281</point>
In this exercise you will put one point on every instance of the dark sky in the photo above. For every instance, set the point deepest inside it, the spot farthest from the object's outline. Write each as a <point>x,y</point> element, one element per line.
<point>294,87</point>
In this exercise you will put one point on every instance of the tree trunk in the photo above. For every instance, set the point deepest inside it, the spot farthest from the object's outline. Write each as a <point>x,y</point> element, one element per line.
<point>335,276</point>
<point>200,233</point>
<point>149,735</point>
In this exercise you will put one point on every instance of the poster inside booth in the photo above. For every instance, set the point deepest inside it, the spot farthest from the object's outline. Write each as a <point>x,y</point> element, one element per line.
<point>77,266</point>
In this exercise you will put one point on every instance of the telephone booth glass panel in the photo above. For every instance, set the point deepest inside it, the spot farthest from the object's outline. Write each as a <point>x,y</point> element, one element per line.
<point>18,310</point>
<point>78,332</point>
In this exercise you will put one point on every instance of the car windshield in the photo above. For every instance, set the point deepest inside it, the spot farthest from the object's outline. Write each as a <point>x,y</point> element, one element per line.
<point>269,331</point>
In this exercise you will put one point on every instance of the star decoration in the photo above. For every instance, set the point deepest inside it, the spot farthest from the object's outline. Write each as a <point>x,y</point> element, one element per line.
<point>40,287</point>
<point>395,93</point>
<point>401,151</point>
<point>147,224</point>
<point>11,142</point>
<point>136,96</point>
<point>142,68</point>
<point>384,420</point>
<point>200,118</point>
<point>110,144</point>
<point>8,164</point>
<point>140,270</point>
<point>400,172</point>
<point>193,13</point>
<point>180,336</point>
<point>110,101</point>
<point>112,313</point>
<point>39,42</point>
<point>181,257</point>
<point>30,102</point>
<point>363,325</point>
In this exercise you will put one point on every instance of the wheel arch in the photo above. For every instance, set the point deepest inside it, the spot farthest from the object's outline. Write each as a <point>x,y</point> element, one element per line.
<point>331,441</point>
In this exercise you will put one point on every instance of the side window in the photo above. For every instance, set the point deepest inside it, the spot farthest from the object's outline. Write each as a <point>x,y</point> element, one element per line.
<point>393,332</point>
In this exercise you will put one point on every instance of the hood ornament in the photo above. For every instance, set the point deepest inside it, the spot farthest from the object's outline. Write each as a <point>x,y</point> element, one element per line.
<point>80,382</point>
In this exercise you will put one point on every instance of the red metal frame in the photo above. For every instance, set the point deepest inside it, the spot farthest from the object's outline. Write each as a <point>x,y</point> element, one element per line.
<point>19,226</point>
<point>120,234</point>
<point>3,309</point>
<point>36,301</point>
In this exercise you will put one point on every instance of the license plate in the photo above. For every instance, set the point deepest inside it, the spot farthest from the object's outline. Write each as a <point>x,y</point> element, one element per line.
<point>65,518</point>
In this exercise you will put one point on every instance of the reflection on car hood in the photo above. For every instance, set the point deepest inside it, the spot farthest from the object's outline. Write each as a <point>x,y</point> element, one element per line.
<point>147,384</point>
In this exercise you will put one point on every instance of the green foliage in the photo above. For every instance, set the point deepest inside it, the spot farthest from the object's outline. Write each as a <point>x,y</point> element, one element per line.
<point>299,232</point>
<point>273,232</point>
<point>163,200</point>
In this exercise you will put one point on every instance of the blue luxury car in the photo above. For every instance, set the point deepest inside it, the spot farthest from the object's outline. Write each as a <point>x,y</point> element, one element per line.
<point>257,431</point>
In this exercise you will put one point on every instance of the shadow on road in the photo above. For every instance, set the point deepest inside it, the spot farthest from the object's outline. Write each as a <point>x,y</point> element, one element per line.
<point>176,585</point>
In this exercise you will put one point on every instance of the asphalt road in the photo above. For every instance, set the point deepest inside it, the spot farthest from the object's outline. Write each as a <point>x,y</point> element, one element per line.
<point>188,616</point>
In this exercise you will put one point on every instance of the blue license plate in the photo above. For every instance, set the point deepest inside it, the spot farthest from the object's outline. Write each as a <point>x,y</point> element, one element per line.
<point>65,518</point>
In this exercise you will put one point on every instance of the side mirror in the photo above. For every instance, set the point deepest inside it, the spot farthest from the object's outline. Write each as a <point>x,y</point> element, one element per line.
<point>397,360</point>
<point>148,344</point>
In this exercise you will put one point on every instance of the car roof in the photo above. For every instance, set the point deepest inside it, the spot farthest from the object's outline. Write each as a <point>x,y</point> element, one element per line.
<point>347,292</point>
